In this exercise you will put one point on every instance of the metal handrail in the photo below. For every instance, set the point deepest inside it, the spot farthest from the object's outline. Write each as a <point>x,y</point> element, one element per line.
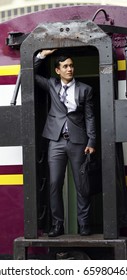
<point>16,90</point>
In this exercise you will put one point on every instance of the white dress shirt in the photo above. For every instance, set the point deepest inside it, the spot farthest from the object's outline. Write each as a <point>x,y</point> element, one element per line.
<point>70,96</point>
<point>70,99</point>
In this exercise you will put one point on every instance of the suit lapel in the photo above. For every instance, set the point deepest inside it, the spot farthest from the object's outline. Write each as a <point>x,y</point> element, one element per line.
<point>77,93</point>
<point>58,88</point>
<point>56,96</point>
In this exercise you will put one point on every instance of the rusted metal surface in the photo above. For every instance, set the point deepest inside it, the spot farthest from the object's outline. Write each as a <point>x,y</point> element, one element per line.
<point>79,33</point>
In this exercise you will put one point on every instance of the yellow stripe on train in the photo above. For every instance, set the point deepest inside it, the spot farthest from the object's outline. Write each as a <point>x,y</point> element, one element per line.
<point>11,179</point>
<point>9,70</point>
<point>121,65</point>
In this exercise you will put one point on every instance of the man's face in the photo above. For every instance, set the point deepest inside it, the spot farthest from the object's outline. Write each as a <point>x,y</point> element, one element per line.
<point>66,70</point>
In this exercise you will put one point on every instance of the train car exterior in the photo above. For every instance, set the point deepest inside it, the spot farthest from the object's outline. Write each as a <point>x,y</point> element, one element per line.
<point>11,157</point>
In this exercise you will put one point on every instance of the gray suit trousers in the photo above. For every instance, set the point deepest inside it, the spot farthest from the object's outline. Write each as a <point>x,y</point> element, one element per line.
<point>59,153</point>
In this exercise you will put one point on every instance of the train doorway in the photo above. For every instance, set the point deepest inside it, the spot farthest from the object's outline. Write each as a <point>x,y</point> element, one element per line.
<point>78,36</point>
<point>86,63</point>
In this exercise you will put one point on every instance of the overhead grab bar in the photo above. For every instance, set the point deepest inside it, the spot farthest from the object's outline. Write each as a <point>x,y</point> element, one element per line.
<point>107,17</point>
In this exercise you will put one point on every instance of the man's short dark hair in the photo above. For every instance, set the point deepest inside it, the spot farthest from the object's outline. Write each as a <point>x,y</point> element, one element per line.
<point>60,59</point>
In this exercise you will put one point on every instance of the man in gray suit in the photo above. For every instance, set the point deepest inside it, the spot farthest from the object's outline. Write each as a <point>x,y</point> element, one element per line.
<point>70,128</point>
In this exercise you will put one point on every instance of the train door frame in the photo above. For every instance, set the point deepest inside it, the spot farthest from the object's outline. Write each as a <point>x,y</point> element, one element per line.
<point>62,35</point>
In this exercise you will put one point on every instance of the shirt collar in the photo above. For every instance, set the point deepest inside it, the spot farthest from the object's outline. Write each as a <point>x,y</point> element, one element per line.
<point>69,84</point>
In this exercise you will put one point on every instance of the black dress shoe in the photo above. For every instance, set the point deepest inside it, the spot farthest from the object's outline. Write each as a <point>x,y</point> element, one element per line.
<point>85,230</point>
<point>56,230</point>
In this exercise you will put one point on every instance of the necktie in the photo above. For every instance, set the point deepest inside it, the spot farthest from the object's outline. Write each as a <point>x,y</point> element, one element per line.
<point>63,96</point>
<point>63,99</point>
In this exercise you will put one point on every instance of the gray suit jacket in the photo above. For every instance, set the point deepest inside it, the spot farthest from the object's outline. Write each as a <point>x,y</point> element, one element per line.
<point>81,122</point>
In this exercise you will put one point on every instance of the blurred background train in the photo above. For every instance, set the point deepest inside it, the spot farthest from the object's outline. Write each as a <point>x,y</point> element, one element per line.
<point>113,21</point>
